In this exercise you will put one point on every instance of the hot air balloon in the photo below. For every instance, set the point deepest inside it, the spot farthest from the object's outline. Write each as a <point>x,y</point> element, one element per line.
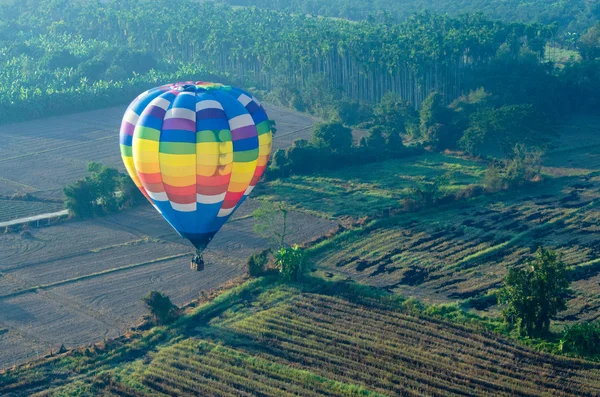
<point>196,150</point>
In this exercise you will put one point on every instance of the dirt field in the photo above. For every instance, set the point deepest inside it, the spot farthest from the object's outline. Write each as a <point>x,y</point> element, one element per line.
<point>57,149</point>
<point>79,282</point>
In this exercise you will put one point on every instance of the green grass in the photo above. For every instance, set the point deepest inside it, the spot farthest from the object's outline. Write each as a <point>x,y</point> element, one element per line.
<point>318,338</point>
<point>372,188</point>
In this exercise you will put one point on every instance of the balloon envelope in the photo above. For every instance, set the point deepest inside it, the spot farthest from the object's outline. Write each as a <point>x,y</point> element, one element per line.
<point>195,150</point>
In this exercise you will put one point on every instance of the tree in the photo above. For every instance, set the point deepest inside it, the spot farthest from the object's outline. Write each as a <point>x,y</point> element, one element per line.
<point>161,308</point>
<point>435,121</point>
<point>582,339</point>
<point>291,262</point>
<point>589,43</point>
<point>80,198</point>
<point>533,295</point>
<point>271,222</point>
<point>333,136</point>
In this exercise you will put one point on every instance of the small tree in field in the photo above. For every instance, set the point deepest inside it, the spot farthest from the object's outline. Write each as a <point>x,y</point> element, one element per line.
<point>291,262</point>
<point>161,308</point>
<point>536,293</point>
<point>271,222</point>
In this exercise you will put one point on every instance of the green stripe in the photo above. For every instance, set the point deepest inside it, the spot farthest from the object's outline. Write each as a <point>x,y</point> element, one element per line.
<point>177,148</point>
<point>246,156</point>
<point>147,133</point>
<point>263,127</point>
<point>225,136</point>
<point>206,136</point>
<point>126,151</point>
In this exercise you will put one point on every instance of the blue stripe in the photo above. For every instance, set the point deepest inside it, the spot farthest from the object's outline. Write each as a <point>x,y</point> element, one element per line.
<point>245,144</point>
<point>150,122</point>
<point>212,124</point>
<point>125,139</point>
<point>178,136</point>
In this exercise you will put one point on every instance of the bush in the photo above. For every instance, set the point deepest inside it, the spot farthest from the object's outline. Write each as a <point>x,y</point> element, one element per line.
<point>161,308</point>
<point>257,263</point>
<point>291,262</point>
<point>582,339</point>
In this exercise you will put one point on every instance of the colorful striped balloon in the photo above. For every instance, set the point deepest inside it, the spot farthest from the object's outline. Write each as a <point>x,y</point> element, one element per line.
<point>196,150</point>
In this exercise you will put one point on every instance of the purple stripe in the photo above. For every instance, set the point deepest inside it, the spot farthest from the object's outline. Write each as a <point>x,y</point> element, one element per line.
<point>127,128</point>
<point>155,111</point>
<point>179,124</point>
<point>244,132</point>
<point>210,114</point>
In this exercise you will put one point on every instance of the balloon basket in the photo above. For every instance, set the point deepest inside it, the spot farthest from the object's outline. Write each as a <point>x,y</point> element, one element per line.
<point>197,263</point>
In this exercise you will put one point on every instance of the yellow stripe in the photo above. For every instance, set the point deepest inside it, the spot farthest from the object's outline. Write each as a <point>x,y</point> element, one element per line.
<point>147,168</point>
<point>264,139</point>
<point>242,177</point>
<point>175,170</point>
<point>226,158</point>
<point>264,150</point>
<point>225,169</point>
<point>177,159</point>
<point>146,145</point>
<point>244,167</point>
<point>226,147</point>
<point>130,167</point>
<point>179,181</point>
<point>235,187</point>
<point>204,170</point>
<point>207,159</point>
<point>207,148</point>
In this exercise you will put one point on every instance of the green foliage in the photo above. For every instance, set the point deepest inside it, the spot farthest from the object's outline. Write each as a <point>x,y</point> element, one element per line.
<point>535,294</point>
<point>523,167</point>
<point>435,119</point>
<point>589,43</point>
<point>582,339</point>
<point>161,308</point>
<point>257,263</point>
<point>500,129</point>
<point>98,193</point>
<point>291,262</point>
<point>271,222</point>
<point>332,136</point>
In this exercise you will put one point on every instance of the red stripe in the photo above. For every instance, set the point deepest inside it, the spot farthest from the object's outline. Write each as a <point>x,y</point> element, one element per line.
<point>218,180</point>
<point>211,190</point>
<point>151,178</point>
<point>154,187</point>
<point>179,199</point>
<point>180,191</point>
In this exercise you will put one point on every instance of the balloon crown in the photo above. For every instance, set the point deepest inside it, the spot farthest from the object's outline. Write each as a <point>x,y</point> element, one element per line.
<point>198,86</point>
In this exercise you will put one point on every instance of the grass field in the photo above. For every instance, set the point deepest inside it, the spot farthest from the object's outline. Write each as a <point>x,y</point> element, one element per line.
<point>274,340</point>
<point>460,252</point>
<point>366,190</point>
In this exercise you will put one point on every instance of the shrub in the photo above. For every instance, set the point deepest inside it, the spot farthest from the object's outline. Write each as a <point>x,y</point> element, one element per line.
<point>257,263</point>
<point>160,306</point>
<point>582,339</point>
<point>291,262</point>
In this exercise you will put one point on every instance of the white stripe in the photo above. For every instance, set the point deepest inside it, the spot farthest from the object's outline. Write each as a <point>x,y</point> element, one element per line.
<point>187,93</point>
<point>240,121</point>
<point>131,117</point>
<point>248,190</point>
<point>160,196</point>
<point>160,102</point>
<point>184,207</point>
<point>203,199</point>
<point>180,113</point>
<point>244,99</point>
<point>225,212</point>
<point>208,104</point>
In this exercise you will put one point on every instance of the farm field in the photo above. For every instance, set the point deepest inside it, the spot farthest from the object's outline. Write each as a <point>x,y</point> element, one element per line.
<point>79,282</point>
<point>68,143</point>
<point>272,340</point>
<point>369,189</point>
<point>460,252</point>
